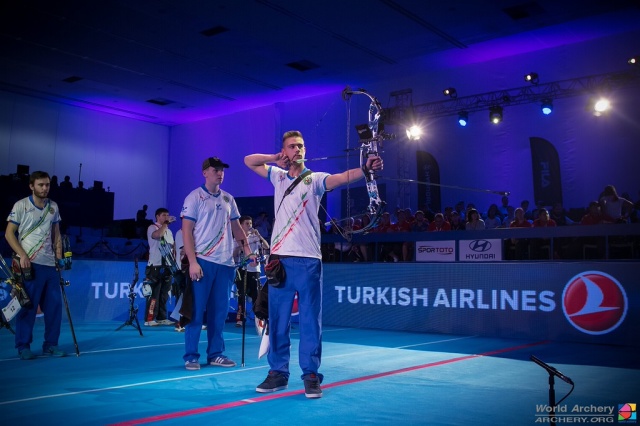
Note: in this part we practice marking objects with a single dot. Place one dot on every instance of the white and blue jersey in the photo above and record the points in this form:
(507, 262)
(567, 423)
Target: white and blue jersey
(296, 229)
(212, 214)
(34, 228)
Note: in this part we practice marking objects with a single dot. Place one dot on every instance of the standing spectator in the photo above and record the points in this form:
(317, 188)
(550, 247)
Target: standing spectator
(209, 224)
(615, 208)
(38, 245)
(263, 225)
(141, 221)
(257, 244)
(504, 210)
(296, 237)
(66, 183)
(157, 273)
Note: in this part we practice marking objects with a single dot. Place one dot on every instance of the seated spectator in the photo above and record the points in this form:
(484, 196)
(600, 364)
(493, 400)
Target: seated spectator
(439, 224)
(559, 215)
(520, 245)
(510, 217)
(594, 216)
(492, 220)
(474, 222)
(537, 244)
(420, 224)
(456, 222)
(524, 205)
(388, 250)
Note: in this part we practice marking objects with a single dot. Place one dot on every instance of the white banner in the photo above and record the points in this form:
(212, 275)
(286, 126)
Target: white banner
(435, 251)
(480, 250)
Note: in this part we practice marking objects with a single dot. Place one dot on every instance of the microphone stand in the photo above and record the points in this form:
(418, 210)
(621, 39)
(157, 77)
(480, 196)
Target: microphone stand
(552, 393)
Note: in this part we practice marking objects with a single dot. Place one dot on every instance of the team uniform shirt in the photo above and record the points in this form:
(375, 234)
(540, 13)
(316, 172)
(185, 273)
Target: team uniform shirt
(255, 243)
(212, 214)
(296, 229)
(155, 256)
(34, 228)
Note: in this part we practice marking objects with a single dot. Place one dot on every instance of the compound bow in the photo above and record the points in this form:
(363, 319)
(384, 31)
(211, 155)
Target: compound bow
(369, 148)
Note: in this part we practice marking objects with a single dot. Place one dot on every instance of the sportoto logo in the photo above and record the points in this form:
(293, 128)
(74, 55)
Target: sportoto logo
(480, 245)
(594, 302)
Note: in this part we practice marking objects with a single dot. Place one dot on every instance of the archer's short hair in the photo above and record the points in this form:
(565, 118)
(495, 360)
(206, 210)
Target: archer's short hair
(291, 134)
(38, 175)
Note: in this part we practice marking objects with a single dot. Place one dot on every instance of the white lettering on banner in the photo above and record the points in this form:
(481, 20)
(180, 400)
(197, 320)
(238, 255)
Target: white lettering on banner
(515, 300)
(114, 290)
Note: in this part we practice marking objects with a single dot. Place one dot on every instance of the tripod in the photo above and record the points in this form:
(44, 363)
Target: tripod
(133, 309)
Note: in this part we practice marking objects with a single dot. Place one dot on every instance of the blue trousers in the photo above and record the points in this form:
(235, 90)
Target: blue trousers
(44, 290)
(304, 275)
(210, 294)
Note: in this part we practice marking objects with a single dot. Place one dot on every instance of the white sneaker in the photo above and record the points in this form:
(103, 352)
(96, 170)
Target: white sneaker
(165, 322)
(151, 323)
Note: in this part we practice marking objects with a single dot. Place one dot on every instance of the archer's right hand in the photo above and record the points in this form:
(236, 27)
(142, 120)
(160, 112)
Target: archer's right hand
(282, 160)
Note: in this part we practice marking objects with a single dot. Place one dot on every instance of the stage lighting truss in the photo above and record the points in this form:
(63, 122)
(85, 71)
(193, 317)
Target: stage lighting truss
(518, 96)
(495, 114)
(547, 106)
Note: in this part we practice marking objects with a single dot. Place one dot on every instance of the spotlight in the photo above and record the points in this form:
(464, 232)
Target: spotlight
(495, 114)
(633, 60)
(532, 78)
(601, 106)
(463, 118)
(547, 106)
(451, 92)
(414, 132)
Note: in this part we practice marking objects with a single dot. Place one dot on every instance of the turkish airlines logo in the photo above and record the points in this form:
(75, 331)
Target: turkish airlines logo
(594, 302)
(480, 245)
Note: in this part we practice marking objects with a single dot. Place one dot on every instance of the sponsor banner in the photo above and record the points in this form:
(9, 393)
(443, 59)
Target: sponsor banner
(587, 302)
(480, 250)
(436, 251)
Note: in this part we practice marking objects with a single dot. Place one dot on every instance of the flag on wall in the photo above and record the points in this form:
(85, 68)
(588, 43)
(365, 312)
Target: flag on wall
(547, 184)
(429, 173)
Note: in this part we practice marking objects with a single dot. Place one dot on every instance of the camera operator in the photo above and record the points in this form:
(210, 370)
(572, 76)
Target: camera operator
(157, 273)
(38, 249)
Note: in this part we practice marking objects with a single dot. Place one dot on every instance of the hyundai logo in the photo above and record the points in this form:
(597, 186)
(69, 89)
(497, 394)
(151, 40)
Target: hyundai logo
(480, 245)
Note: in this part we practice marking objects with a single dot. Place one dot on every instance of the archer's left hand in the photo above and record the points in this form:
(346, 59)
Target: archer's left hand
(374, 163)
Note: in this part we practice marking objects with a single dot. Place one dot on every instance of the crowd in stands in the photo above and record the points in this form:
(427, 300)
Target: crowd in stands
(609, 208)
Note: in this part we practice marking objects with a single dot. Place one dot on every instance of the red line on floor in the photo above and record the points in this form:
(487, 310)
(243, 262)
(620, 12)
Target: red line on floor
(279, 395)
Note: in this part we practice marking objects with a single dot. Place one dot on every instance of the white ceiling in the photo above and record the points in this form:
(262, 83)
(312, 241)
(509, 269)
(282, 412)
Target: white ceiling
(117, 56)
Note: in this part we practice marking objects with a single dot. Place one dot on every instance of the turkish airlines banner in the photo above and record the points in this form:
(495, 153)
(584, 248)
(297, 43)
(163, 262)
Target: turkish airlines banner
(480, 250)
(579, 302)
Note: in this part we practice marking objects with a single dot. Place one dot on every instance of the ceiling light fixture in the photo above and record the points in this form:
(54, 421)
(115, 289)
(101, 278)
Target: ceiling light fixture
(495, 114)
(532, 78)
(451, 92)
(463, 118)
(547, 106)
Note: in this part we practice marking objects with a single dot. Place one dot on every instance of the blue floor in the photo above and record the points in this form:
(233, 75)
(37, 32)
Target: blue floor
(371, 377)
